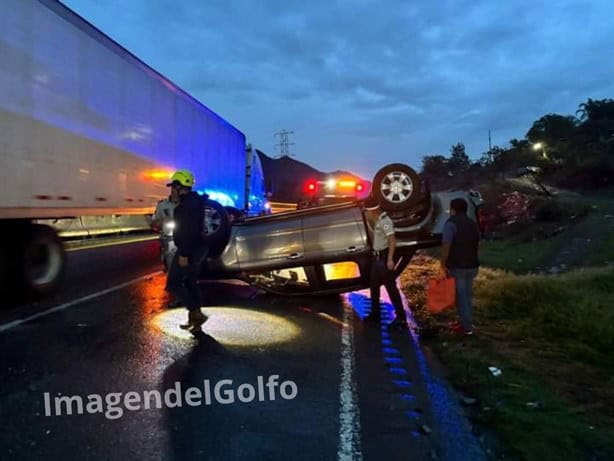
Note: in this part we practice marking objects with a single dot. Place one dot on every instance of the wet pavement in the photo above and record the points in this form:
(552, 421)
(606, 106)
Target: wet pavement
(271, 377)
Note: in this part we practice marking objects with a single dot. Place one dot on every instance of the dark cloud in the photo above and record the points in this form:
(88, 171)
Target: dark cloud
(356, 77)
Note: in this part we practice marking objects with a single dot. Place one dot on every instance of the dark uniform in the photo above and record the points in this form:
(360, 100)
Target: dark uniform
(189, 219)
(382, 230)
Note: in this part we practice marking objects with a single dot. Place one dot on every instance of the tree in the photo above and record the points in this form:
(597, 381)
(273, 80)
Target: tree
(434, 166)
(597, 120)
(552, 129)
(459, 160)
(592, 110)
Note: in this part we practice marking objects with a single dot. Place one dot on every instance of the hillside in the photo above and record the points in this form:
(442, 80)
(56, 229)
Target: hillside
(286, 177)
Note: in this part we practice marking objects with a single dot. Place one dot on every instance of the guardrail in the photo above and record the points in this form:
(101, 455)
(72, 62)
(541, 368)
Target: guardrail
(278, 207)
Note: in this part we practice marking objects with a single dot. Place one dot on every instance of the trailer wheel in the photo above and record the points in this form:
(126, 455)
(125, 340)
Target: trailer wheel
(41, 260)
(397, 187)
(216, 227)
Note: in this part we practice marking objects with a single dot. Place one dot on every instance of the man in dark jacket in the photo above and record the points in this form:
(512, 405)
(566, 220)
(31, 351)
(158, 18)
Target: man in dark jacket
(459, 259)
(191, 251)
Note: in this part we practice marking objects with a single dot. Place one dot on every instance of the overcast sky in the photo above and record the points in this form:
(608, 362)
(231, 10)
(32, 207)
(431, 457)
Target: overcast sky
(364, 83)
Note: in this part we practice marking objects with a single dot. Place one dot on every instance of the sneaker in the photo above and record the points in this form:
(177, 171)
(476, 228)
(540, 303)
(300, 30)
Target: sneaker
(458, 328)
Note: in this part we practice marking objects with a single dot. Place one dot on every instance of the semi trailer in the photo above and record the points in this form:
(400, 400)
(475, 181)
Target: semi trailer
(89, 133)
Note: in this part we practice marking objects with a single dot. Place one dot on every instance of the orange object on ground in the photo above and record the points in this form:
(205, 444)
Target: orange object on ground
(441, 294)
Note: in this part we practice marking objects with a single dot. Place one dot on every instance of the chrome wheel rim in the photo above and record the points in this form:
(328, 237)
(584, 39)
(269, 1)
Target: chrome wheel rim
(396, 187)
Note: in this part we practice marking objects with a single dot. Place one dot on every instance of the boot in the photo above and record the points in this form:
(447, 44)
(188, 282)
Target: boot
(195, 319)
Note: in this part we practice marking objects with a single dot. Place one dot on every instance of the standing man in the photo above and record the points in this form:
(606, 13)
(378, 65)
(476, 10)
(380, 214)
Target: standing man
(163, 220)
(459, 259)
(191, 250)
(381, 231)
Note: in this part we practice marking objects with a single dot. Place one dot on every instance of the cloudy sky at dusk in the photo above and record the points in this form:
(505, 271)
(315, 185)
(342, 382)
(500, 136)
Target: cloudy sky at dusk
(363, 83)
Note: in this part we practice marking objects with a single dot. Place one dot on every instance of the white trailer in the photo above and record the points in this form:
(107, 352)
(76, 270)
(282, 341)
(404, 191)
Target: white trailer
(89, 130)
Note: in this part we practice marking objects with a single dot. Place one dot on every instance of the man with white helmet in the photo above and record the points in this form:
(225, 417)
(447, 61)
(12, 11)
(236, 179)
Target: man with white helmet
(191, 250)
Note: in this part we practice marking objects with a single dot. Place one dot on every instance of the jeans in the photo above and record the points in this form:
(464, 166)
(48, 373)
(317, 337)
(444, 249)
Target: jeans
(185, 279)
(381, 275)
(464, 293)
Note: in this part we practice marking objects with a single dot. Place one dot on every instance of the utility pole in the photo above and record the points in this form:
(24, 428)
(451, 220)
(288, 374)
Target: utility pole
(285, 138)
(489, 147)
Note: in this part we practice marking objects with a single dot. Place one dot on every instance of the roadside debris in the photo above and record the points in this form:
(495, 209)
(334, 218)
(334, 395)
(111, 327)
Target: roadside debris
(534, 405)
(514, 208)
(495, 371)
(426, 429)
(469, 400)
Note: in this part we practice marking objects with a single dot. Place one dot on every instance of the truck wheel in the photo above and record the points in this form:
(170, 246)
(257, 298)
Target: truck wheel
(397, 187)
(216, 226)
(41, 261)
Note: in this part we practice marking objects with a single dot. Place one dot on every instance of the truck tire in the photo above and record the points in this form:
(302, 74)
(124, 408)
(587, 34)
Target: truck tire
(397, 187)
(40, 261)
(217, 227)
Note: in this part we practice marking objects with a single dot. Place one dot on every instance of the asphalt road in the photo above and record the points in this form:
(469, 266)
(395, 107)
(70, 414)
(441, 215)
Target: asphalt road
(271, 378)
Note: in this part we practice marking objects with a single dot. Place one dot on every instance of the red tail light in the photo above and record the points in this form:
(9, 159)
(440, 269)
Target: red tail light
(310, 186)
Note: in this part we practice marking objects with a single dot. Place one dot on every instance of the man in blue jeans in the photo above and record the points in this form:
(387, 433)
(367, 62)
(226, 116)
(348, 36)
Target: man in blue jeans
(459, 259)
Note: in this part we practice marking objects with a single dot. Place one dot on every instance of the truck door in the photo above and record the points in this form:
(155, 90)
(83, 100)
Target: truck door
(338, 234)
(268, 243)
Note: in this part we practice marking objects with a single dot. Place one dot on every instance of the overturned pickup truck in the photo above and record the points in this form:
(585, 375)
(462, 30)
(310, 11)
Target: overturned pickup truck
(326, 249)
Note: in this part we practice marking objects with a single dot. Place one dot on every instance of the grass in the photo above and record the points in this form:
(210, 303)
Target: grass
(518, 257)
(531, 422)
(603, 253)
(552, 336)
(573, 310)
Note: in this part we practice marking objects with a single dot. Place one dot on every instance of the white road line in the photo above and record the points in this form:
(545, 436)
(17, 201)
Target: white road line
(14, 323)
(349, 414)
